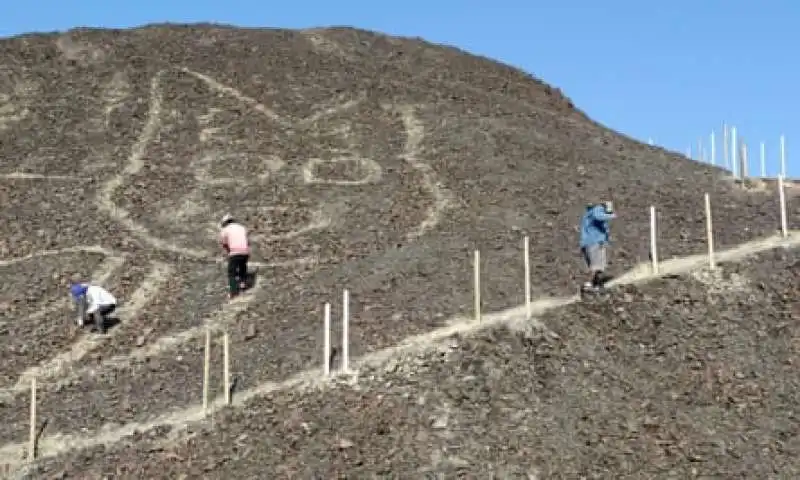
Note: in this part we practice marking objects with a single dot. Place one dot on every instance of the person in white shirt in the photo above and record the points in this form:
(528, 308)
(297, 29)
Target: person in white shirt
(94, 302)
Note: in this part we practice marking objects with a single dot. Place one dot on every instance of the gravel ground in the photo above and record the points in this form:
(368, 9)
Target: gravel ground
(690, 377)
(440, 153)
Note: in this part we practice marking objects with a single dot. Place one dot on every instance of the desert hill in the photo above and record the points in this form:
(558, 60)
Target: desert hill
(687, 377)
(358, 160)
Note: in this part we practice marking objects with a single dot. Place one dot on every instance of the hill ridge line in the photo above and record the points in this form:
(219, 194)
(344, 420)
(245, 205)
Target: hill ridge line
(12, 454)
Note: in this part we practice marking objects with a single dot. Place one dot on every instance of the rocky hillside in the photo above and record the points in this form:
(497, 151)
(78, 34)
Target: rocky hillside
(358, 161)
(689, 377)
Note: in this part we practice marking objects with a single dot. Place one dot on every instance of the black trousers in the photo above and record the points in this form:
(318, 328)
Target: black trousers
(237, 272)
(101, 317)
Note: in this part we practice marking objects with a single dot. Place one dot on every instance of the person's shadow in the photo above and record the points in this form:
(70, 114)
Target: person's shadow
(112, 322)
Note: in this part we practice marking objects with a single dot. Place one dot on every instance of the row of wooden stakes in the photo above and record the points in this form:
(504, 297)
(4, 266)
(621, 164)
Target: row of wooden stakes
(345, 353)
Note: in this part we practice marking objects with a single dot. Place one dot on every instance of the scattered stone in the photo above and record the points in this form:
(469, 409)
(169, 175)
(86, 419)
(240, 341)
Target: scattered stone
(344, 444)
(439, 422)
(250, 333)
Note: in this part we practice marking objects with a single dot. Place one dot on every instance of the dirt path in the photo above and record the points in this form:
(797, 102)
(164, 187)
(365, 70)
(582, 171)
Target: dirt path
(12, 454)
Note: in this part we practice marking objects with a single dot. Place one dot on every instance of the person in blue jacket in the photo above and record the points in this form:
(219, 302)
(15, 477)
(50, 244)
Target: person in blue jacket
(595, 236)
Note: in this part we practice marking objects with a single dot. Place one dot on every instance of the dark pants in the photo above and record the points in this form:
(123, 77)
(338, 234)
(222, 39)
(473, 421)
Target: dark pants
(101, 316)
(237, 272)
(596, 257)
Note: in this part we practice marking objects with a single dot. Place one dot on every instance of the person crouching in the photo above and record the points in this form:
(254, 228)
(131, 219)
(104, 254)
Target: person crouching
(93, 302)
(233, 237)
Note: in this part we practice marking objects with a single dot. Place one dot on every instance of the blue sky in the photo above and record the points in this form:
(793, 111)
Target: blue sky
(671, 71)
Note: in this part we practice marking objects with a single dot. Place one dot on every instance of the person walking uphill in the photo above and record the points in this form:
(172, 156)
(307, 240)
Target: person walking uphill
(233, 237)
(94, 302)
(595, 236)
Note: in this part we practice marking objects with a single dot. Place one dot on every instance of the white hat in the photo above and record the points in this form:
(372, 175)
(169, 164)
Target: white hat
(225, 219)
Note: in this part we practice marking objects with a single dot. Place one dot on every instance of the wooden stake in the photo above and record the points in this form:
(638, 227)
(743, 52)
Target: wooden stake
(782, 200)
(713, 149)
(734, 149)
(700, 153)
(32, 439)
(725, 156)
(745, 170)
(206, 370)
(653, 240)
(477, 271)
(326, 361)
(226, 359)
(710, 233)
(345, 331)
(527, 253)
(783, 156)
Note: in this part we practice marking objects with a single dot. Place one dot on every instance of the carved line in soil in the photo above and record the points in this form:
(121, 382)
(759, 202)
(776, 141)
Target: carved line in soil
(414, 130)
(61, 443)
(61, 367)
(65, 368)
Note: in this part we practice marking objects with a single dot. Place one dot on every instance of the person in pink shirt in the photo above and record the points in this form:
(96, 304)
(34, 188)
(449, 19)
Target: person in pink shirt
(233, 237)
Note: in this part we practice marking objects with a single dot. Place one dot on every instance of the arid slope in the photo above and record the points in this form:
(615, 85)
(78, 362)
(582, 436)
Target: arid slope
(691, 377)
(358, 160)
